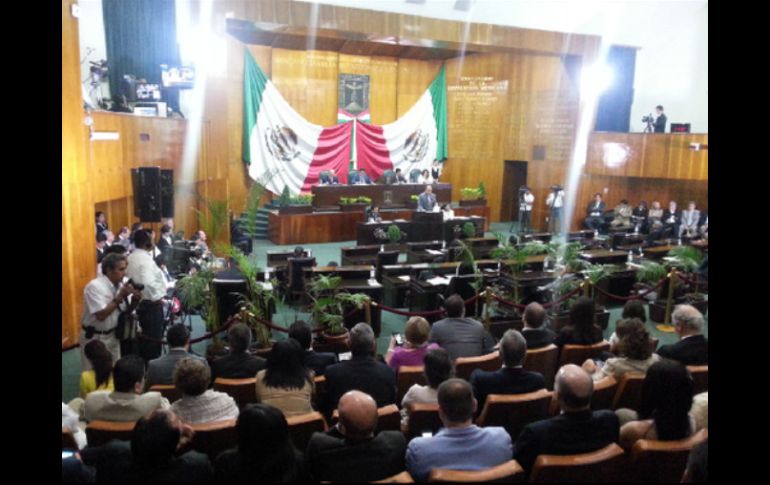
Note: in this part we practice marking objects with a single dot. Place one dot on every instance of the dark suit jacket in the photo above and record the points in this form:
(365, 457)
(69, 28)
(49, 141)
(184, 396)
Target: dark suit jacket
(660, 124)
(567, 335)
(566, 434)
(163, 244)
(361, 373)
(690, 351)
(352, 178)
(330, 458)
(538, 337)
(667, 214)
(593, 211)
(237, 366)
(319, 361)
(325, 179)
(400, 178)
(504, 381)
(161, 370)
(426, 203)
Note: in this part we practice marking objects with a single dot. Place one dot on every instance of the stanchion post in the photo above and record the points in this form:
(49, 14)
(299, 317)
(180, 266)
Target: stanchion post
(487, 303)
(368, 311)
(670, 298)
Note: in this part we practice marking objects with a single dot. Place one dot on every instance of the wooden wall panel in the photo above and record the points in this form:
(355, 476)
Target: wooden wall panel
(383, 76)
(414, 77)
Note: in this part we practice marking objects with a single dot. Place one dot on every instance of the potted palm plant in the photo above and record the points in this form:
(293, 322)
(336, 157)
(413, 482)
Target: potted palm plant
(395, 235)
(296, 204)
(329, 305)
(257, 303)
(473, 196)
(648, 275)
(688, 259)
(197, 295)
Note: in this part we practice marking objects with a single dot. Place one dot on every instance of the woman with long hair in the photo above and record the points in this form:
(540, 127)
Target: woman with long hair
(581, 329)
(438, 368)
(100, 377)
(286, 383)
(634, 349)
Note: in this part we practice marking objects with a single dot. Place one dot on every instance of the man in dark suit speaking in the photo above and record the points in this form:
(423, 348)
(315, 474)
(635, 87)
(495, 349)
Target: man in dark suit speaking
(427, 201)
(660, 121)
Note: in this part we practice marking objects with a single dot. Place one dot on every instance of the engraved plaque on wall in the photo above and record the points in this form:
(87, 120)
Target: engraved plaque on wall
(354, 93)
(476, 104)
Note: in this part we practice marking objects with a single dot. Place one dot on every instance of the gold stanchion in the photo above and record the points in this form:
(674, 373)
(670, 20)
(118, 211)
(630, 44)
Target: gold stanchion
(666, 325)
(368, 311)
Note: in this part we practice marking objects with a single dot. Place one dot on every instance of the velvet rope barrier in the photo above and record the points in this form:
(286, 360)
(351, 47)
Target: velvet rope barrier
(545, 305)
(423, 314)
(632, 297)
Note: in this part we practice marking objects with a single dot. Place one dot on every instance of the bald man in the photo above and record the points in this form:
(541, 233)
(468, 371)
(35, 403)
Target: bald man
(576, 430)
(534, 332)
(350, 451)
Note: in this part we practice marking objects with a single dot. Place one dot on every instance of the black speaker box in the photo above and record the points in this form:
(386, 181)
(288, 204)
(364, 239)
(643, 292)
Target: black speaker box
(147, 194)
(167, 193)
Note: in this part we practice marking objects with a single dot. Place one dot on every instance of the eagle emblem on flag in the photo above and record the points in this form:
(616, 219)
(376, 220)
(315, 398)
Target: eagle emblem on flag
(281, 142)
(415, 147)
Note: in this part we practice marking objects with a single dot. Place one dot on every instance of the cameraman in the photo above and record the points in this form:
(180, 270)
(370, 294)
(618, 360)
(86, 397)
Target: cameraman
(143, 270)
(660, 121)
(555, 203)
(526, 199)
(101, 298)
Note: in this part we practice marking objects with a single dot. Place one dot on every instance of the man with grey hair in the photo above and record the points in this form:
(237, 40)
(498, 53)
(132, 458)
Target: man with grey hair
(692, 348)
(576, 430)
(511, 378)
(362, 372)
(460, 444)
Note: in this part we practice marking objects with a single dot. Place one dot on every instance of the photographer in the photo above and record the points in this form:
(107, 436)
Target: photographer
(555, 202)
(526, 199)
(101, 298)
(660, 121)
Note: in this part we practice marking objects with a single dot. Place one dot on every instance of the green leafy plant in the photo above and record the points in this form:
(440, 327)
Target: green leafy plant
(651, 272)
(469, 229)
(285, 198)
(196, 294)
(256, 302)
(364, 199)
(301, 199)
(482, 190)
(414, 198)
(685, 258)
(562, 286)
(213, 220)
(329, 303)
(257, 190)
(346, 200)
(394, 234)
(470, 193)
(595, 273)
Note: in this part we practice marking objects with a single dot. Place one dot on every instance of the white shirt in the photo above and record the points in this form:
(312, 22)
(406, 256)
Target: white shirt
(450, 214)
(425, 180)
(142, 269)
(99, 292)
(528, 200)
(559, 199)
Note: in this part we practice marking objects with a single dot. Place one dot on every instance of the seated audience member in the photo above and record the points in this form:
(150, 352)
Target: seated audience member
(595, 213)
(161, 370)
(363, 178)
(400, 178)
(460, 444)
(123, 237)
(447, 212)
(69, 420)
(438, 368)
(639, 216)
(655, 218)
(152, 454)
(328, 178)
(576, 430)
(672, 218)
(264, 452)
(425, 177)
(99, 378)
(200, 405)
(201, 240)
(703, 229)
(415, 347)
(664, 412)
(126, 402)
(373, 214)
(351, 451)
(73, 470)
(285, 383)
(238, 364)
(315, 361)
(581, 329)
(361, 372)
(460, 336)
(635, 353)
(697, 470)
(166, 239)
(622, 218)
(700, 410)
(511, 378)
(692, 347)
(632, 309)
(101, 245)
(690, 221)
(534, 332)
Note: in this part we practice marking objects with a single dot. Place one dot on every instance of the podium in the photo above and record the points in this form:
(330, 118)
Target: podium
(429, 225)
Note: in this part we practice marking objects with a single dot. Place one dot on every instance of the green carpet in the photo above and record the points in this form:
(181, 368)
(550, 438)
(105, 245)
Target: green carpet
(286, 314)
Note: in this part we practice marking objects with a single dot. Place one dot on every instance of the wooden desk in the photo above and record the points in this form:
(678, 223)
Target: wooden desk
(359, 255)
(397, 195)
(278, 258)
(345, 272)
(603, 256)
(657, 252)
(419, 230)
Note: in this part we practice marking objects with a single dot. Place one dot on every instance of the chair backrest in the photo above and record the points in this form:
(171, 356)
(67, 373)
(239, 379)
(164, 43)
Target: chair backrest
(319, 398)
(601, 466)
(414, 175)
(385, 258)
(214, 438)
(244, 391)
(465, 365)
(507, 472)
(409, 375)
(577, 354)
(68, 439)
(296, 276)
(100, 432)
(403, 477)
(423, 417)
(663, 461)
(629, 393)
(654, 344)
(515, 411)
(302, 427)
(388, 418)
(700, 378)
(545, 361)
(169, 391)
(604, 393)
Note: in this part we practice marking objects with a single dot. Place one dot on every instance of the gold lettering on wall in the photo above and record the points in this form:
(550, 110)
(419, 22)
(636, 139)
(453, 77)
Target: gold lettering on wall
(474, 105)
(554, 122)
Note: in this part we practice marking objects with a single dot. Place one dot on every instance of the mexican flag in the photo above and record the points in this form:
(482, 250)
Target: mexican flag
(411, 142)
(277, 140)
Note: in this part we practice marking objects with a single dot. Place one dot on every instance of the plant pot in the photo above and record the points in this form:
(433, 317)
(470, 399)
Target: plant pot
(657, 311)
(356, 207)
(473, 203)
(296, 209)
(334, 343)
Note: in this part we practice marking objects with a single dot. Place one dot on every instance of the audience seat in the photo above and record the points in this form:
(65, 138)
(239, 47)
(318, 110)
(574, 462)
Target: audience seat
(604, 393)
(663, 461)
(465, 365)
(214, 438)
(545, 361)
(68, 439)
(169, 391)
(403, 477)
(700, 378)
(422, 417)
(577, 354)
(629, 393)
(654, 344)
(302, 427)
(508, 472)
(601, 466)
(244, 391)
(320, 391)
(514, 411)
(388, 418)
(100, 432)
(409, 375)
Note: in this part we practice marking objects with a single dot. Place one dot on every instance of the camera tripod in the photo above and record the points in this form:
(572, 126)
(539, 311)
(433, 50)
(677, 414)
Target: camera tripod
(649, 127)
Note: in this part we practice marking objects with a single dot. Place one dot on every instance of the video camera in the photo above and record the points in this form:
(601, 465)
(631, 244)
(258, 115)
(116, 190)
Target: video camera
(137, 286)
(648, 119)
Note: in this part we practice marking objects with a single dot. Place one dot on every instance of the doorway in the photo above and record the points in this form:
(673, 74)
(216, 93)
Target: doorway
(514, 176)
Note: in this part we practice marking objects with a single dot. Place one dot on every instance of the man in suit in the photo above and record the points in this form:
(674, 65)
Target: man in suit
(329, 178)
(534, 332)
(460, 444)
(123, 239)
(166, 240)
(361, 372)
(511, 378)
(692, 348)
(576, 430)
(400, 178)
(101, 244)
(101, 222)
(238, 364)
(126, 402)
(660, 120)
(460, 336)
(359, 178)
(672, 218)
(690, 221)
(595, 213)
(350, 451)
(427, 200)
(161, 370)
(315, 361)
